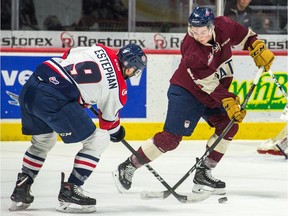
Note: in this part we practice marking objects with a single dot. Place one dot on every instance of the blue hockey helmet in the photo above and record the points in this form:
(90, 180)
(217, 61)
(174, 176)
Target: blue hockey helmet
(201, 16)
(132, 56)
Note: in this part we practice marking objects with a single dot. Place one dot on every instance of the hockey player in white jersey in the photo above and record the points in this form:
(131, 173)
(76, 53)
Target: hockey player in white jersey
(52, 103)
(277, 145)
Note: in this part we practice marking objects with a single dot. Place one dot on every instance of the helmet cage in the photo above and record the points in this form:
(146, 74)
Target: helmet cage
(209, 27)
(132, 56)
(137, 72)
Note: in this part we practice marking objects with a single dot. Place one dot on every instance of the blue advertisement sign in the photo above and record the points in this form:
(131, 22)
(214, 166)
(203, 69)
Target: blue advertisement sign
(15, 71)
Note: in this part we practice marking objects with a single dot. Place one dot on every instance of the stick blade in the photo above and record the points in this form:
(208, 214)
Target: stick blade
(198, 197)
(191, 197)
(152, 195)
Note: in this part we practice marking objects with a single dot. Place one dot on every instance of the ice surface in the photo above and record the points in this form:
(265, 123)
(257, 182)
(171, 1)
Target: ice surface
(257, 185)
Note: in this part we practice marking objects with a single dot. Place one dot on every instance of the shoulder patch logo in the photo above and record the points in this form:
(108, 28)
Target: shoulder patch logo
(53, 80)
(124, 92)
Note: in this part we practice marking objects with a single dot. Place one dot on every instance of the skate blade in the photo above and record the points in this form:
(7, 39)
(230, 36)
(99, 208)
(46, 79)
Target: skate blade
(119, 186)
(203, 189)
(18, 206)
(74, 208)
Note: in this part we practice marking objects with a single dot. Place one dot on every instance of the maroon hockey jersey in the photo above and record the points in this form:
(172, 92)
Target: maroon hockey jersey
(206, 71)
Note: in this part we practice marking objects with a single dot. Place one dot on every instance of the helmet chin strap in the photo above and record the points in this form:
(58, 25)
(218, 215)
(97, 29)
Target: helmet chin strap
(125, 74)
(212, 33)
(211, 29)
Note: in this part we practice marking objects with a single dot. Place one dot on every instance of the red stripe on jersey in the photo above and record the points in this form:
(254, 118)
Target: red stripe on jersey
(54, 69)
(66, 53)
(85, 163)
(117, 67)
(107, 125)
(32, 163)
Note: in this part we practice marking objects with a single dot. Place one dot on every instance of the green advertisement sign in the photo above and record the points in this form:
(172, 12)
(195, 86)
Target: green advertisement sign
(266, 94)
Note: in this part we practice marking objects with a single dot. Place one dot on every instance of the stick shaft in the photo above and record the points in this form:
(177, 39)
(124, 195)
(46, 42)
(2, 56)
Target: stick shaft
(284, 115)
(278, 84)
(179, 197)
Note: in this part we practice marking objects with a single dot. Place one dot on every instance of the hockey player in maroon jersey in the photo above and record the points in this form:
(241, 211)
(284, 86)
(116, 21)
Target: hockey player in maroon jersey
(199, 89)
(52, 103)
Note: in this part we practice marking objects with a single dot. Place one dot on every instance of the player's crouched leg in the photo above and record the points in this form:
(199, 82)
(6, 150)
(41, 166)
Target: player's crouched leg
(71, 196)
(149, 151)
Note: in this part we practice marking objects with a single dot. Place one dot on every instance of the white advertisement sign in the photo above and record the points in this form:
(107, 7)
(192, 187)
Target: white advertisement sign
(61, 39)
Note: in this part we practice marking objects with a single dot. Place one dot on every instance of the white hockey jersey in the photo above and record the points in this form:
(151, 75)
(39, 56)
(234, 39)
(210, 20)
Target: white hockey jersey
(97, 74)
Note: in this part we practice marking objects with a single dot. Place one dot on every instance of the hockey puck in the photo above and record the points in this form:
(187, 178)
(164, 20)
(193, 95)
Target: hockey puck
(222, 200)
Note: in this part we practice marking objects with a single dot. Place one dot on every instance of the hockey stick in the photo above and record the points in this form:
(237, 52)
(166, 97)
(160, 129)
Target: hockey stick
(284, 115)
(165, 194)
(282, 146)
(282, 151)
(182, 198)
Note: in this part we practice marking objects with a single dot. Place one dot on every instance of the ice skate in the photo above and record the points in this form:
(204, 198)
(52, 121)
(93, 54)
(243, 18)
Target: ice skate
(203, 180)
(72, 199)
(21, 196)
(123, 176)
(278, 147)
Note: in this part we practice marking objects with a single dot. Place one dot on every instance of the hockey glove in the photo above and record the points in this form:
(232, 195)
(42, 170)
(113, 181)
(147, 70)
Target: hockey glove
(261, 55)
(118, 136)
(233, 109)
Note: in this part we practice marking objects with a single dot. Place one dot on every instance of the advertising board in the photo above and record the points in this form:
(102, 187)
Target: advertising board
(61, 39)
(15, 71)
(147, 102)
